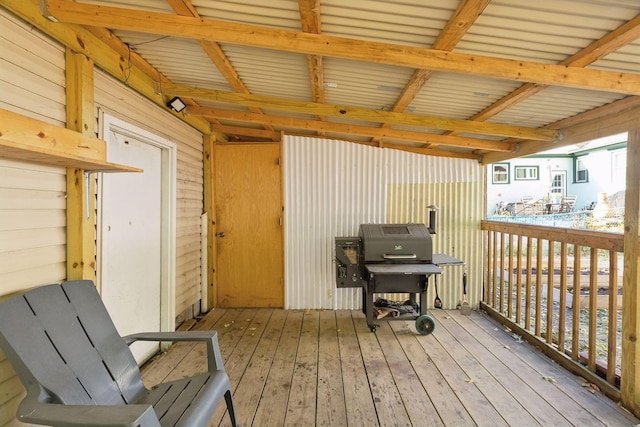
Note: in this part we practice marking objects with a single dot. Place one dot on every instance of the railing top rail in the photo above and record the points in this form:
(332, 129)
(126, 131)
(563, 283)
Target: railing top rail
(589, 238)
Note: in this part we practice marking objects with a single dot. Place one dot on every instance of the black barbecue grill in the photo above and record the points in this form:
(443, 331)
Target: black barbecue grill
(391, 258)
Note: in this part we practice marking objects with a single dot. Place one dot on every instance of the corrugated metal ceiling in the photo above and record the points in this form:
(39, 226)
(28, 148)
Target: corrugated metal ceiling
(541, 31)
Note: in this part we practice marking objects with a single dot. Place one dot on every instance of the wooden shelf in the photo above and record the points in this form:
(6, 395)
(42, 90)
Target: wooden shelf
(31, 140)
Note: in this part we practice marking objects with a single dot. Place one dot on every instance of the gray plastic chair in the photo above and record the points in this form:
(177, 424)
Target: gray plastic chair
(78, 371)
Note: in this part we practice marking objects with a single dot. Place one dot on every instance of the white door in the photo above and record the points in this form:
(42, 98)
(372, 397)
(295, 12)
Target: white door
(559, 182)
(130, 239)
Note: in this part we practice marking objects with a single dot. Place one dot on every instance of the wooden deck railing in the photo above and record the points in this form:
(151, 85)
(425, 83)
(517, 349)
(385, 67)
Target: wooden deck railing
(559, 289)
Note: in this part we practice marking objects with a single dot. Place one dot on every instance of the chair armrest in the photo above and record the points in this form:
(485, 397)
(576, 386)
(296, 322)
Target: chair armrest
(57, 415)
(214, 357)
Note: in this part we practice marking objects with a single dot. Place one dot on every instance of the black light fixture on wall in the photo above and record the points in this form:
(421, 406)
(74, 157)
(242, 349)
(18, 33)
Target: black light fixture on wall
(176, 104)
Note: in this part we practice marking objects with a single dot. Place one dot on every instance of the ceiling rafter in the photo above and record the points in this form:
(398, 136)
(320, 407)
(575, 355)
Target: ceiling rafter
(341, 47)
(613, 41)
(365, 114)
(462, 19)
(264, 134)
(457, 26)
(310, 23)
(214, 52)
(348, 129)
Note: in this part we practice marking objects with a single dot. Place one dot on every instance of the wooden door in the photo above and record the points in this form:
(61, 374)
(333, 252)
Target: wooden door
(250, 253)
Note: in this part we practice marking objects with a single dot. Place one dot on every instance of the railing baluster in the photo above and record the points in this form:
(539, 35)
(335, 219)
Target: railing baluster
(550, 288)
(593, 308)
(538, 285)
(562, 312)
(495, 271)
(486, 295)
(519, 281)
(510, 279)
(501, 283)
(613, 317)
(575, 327)
(527, 292)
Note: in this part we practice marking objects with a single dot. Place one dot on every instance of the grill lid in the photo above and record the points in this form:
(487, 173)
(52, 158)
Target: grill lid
(396, 243)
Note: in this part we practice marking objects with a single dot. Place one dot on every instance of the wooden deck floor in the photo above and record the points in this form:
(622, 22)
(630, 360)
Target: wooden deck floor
(326, 368)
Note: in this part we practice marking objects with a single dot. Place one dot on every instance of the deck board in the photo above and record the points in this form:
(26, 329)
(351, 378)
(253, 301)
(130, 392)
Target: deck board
(561, 389)
(301, 410)
(415, 398)
(520, 385)
(357, 395)
(386, 397)
(273, 402)
(326, 368)
(331, 409)
(493, 390)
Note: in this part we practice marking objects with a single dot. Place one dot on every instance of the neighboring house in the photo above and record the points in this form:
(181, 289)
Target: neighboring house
(587, 171)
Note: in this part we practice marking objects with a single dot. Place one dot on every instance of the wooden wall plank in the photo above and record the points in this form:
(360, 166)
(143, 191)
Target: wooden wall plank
(81, 210)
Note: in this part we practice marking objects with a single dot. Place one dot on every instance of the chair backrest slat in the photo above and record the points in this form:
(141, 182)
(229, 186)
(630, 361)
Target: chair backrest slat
(107, 341)
(74, 334)
(33, 356)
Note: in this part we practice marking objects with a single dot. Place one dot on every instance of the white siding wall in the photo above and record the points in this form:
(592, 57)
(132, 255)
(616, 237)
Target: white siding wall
(122, 102)
(331, 187)
(32, 197)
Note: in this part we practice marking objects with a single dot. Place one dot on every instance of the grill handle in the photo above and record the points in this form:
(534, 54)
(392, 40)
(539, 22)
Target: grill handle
(399, 256)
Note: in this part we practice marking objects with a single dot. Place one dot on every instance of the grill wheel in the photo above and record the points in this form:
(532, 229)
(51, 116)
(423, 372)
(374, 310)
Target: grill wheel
(425, 324)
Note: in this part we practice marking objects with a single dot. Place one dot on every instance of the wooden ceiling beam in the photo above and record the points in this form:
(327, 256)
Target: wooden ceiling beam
(341, 47)
(348, 129)
(611, 119)
(310, 21)
(364, 114)
(233, 131)
(434, 152)
(259, 133)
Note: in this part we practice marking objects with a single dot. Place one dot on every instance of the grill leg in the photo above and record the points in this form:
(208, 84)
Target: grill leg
(367, 305)
(424, 285)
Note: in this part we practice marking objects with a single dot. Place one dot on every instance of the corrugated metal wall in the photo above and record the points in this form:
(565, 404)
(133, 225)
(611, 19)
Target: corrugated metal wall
(331, 187)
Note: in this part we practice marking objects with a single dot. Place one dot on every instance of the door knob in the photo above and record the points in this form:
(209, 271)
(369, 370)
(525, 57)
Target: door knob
(221, 234)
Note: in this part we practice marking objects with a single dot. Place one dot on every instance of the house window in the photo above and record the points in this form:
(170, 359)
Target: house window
(582, 174)
(501, 173)
(618, 168)
(526, 173)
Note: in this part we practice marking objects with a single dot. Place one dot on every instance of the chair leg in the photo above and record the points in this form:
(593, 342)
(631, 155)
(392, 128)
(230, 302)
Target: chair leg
(230, 409)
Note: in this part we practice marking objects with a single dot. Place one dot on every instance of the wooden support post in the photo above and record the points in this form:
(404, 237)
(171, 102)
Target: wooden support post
(209, 208)
(630, 381)
(81, 218)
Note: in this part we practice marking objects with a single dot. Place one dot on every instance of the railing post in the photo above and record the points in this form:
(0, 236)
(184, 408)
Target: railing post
(630, 369)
